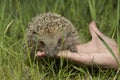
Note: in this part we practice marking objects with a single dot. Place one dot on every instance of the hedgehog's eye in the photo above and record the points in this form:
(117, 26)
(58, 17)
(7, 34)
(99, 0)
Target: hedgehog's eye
(42, 43)
(60, 41)
(34, 32)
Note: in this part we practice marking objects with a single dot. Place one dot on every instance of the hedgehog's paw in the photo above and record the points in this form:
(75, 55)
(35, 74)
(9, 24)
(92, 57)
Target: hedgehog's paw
(73, 48)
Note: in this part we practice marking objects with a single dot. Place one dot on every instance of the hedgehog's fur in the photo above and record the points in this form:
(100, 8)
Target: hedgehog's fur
(49, 32)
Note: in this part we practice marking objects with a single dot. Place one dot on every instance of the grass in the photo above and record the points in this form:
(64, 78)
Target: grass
(14, 17)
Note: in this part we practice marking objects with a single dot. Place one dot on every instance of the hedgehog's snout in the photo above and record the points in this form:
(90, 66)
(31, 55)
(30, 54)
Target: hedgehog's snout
(51, 52)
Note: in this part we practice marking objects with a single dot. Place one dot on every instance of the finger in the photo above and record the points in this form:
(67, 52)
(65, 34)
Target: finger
(40, 54)
(81, 58)
(94, 29)
(65, 54)
(91, 28)
(112, 44)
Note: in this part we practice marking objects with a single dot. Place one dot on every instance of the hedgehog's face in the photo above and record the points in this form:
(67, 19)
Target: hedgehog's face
(48, 33)
(50, 43)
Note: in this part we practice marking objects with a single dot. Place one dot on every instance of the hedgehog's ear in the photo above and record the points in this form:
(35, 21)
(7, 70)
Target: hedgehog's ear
(66, 33)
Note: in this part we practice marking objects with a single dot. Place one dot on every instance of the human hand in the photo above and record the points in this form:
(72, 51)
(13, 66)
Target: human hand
(94, 52)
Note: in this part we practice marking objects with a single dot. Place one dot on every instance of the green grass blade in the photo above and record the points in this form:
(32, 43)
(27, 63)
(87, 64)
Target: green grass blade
(92, 9)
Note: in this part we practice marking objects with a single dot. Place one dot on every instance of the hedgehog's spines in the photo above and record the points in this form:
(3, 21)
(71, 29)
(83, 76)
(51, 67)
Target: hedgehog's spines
(50, 21)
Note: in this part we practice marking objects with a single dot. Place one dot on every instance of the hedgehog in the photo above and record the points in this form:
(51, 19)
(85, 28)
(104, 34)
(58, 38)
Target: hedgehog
(51, 33)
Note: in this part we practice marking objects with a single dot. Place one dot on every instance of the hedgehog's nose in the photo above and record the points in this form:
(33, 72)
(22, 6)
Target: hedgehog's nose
(51, 53)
